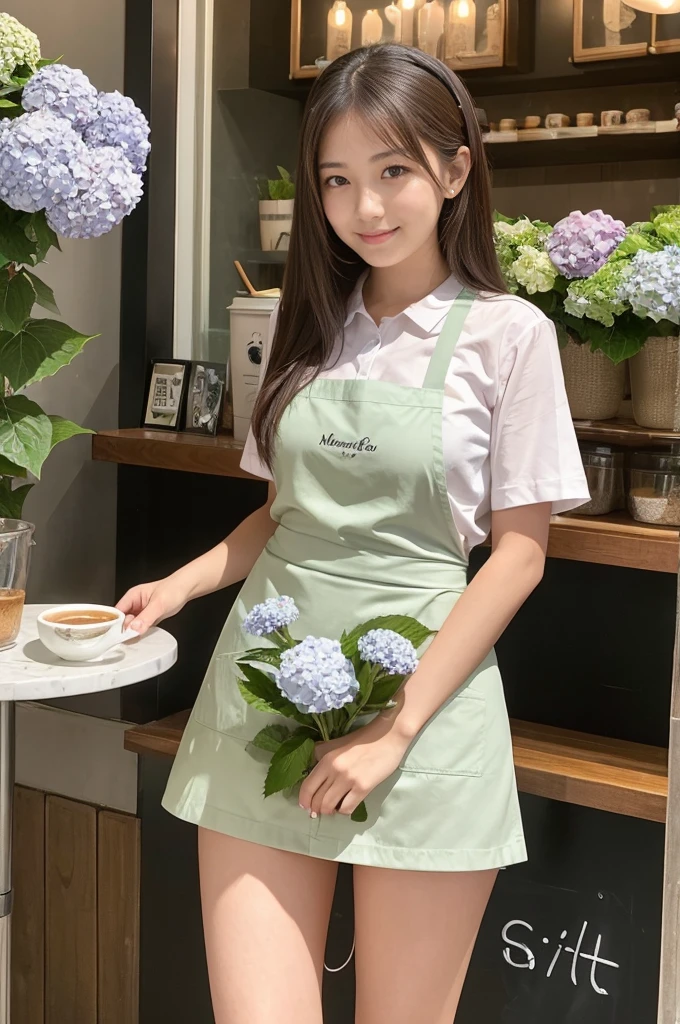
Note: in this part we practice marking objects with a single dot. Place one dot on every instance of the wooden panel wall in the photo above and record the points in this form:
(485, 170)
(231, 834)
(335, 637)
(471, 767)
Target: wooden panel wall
(75, 925)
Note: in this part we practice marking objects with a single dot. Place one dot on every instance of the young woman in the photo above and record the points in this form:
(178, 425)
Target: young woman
(394, 331)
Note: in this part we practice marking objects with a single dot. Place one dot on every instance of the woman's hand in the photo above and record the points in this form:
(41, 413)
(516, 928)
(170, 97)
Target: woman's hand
(350, 767)
(149, 603)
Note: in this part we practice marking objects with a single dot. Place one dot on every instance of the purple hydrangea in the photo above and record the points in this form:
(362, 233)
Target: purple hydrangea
(38, 153)
(64, 91)
(393, 652)
(580, 243)
(108, 190)
(272, 614)
(316, 676)
(120, 123)
(652, 284)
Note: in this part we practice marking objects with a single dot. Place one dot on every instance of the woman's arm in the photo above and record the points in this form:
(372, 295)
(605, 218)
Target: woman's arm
(232, 559)
(500, 588)
(351, 767)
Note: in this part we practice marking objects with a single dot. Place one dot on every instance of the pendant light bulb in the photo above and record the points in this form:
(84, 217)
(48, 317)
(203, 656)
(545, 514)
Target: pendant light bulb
(408, 5)
(340, 17)
(655, 6)
(463, 9)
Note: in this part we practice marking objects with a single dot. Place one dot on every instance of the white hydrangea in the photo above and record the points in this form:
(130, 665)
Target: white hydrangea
(18, 45)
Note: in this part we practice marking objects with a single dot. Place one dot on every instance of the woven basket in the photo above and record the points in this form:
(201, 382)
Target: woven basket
(595, 385)
(655, 383)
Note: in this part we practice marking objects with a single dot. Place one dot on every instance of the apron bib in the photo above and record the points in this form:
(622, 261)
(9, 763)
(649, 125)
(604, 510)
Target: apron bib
(364, 529)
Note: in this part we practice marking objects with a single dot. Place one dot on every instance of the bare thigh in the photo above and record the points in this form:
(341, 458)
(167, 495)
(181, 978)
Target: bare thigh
(415, 932)
(265, 918)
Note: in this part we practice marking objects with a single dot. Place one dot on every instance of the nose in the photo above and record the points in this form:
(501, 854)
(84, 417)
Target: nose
(369, 205)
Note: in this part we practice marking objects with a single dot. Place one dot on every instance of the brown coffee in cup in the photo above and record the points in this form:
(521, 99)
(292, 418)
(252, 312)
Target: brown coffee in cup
(81, 617)
(11, 607)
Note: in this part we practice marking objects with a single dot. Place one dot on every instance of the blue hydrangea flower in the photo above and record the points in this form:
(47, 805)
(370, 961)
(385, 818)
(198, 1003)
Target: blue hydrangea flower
(316, 676)
(272, 614)
(64, 91)
(581, 243)
(108, 190)
(652, 284)
(393, 652)
(18, 45)
(38, 154)
(120, 123)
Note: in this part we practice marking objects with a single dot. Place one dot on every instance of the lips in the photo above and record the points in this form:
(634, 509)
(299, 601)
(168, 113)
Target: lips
(378, 237)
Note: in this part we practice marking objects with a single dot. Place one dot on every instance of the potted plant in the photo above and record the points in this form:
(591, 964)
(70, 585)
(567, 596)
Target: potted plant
(651, 286)
(573, 272)
(276, 211)
(72, 161)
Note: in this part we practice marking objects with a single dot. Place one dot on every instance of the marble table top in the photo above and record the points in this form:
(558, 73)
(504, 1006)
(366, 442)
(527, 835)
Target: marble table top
(28, 671)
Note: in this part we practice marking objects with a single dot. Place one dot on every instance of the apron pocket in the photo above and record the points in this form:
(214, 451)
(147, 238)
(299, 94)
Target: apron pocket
(454, 741)
(219, 704)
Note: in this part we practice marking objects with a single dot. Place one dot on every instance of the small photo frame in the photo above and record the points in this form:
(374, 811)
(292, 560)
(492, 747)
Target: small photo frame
(609, 30)
(205, 397)
(666, 33)
(166, 394)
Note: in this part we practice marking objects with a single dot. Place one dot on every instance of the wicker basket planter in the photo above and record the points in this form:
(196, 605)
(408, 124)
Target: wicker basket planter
(595, 385)
(655, 383)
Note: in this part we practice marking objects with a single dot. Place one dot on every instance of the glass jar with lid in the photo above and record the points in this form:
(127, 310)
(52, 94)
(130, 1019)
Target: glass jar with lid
(654, 486)
(603, 465)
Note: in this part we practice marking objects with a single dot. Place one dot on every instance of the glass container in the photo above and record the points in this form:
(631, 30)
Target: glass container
(603, 465)
(16, 541)
(654, 487)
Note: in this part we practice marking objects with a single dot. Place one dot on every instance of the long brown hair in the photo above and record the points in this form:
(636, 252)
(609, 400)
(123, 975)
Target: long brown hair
(407, 98)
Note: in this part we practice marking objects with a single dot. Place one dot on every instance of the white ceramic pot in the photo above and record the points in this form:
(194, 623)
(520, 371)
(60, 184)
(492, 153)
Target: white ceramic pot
(655, 383)
(595, 385)
(276, 218)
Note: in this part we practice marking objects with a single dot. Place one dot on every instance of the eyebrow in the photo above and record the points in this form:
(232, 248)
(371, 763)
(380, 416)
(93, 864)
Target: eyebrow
(374, 159)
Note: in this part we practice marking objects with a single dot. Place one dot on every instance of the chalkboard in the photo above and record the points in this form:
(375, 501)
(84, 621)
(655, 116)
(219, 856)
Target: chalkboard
(571, 937)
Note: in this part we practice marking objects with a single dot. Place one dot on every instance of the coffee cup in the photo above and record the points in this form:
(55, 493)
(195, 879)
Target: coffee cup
(81, 632)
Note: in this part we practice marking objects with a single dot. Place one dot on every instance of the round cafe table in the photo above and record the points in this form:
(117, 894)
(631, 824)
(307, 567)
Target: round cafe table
(28, 671)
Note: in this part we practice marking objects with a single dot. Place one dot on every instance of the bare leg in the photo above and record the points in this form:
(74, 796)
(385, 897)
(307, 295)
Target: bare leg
(415, 931)
(265, 918)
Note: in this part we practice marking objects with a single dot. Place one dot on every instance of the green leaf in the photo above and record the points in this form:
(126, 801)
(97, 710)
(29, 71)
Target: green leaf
(290, 763)
(264, 655)
(498, 216)
(6, 104)
(44, 61)
(25, 433)
(365, 683)
(15, 243)
(262, 693)
(271, 737)
(404, 625)
(17, 298)
(63, 429)
(45, 237)
(39, 350)
(8, 468)
(634, 241)
(44, 295)
(12, 500)
(384, 689)
(360, 813)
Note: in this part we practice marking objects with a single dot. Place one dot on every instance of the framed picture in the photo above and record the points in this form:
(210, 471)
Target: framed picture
(166, 394)
(205, 397)
(665, 33)
(610, 30)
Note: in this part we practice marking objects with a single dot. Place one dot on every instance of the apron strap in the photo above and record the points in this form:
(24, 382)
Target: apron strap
(447, 340)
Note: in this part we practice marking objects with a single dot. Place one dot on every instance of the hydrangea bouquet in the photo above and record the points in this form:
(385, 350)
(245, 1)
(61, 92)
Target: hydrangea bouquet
(322, 686)
(71, 164)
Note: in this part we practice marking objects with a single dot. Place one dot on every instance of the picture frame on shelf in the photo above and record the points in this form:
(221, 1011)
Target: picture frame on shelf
(206, 389)
(166, 392)
(609, 30)
(465, 34)
(665, 33)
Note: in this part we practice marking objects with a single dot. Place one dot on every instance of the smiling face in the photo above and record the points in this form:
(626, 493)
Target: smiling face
(382, 203)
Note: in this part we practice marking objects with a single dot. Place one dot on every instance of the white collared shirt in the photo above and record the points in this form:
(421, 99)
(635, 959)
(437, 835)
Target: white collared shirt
(508, 437)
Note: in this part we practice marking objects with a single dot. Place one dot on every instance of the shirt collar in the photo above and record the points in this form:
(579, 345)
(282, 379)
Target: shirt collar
(427, 313)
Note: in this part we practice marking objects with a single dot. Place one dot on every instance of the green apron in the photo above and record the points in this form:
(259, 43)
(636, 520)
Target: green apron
(364, 529)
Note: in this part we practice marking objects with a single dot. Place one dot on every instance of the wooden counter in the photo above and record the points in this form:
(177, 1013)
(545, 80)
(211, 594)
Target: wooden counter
(573, 767)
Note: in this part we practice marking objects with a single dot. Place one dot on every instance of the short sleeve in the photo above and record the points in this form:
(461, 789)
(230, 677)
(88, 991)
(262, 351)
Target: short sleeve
(534, 452)
(250, 460)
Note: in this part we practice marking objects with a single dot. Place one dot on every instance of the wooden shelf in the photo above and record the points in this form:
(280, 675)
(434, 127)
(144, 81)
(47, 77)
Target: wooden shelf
(609, 540)
(596, 149)
(165, 449)
(573, 767)
(624, 432)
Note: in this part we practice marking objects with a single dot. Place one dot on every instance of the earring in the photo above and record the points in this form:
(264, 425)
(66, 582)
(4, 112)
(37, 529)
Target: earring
(452, 191)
